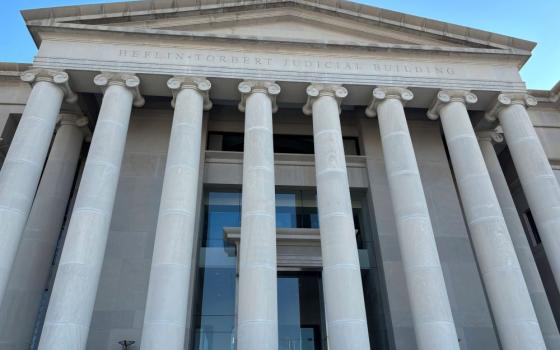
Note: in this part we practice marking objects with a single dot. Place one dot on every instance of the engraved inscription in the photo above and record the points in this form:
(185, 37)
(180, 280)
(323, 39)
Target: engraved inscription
(281, 62)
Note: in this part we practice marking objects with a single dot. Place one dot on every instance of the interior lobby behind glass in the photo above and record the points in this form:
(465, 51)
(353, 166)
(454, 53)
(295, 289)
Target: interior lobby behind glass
(301, 320)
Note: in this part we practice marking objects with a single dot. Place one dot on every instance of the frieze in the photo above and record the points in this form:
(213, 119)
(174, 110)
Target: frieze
(289, 63)
(321, 66)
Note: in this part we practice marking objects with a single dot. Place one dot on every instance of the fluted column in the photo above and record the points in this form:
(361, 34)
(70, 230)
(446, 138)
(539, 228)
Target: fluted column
(71, 304)
(257, 319)
(507, 292)
(533, 168)
(535, 286)
(33, 260)
(24, 162)
(345, 313)
(168, 292)
(431, 311)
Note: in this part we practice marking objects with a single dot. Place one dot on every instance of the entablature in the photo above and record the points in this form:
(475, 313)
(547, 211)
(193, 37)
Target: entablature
(293, 68)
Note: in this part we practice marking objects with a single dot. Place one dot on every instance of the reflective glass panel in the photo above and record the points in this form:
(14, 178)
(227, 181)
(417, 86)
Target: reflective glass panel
(300, 308)
(214, 317)
(286, 215)
(299, 311)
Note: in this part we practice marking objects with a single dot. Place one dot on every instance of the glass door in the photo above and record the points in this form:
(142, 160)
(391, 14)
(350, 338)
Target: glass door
(299, 311)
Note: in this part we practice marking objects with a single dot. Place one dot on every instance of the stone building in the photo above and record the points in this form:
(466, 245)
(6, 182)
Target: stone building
(279, 174)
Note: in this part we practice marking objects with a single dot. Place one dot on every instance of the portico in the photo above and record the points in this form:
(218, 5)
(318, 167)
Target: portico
(191, 211)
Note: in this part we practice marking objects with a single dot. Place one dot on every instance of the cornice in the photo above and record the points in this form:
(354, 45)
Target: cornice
(12, 71)
(551, 96)
(521, 56)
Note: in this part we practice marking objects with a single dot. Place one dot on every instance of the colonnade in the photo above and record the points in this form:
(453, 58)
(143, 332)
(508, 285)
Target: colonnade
(504, 260)
(509, 299)
(431, 310)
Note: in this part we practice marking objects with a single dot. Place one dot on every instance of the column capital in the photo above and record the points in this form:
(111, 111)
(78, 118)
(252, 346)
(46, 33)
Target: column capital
(383, 93)
(316, 90)
(493, 136)
(508, 99)
(129, 81)
(199, 84)
(57, 77)
(248, 87)
(79, 121)
(446, 96)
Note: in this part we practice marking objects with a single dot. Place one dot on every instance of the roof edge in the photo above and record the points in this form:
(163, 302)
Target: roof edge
(154, 7)
(551, 96)
(521, 55)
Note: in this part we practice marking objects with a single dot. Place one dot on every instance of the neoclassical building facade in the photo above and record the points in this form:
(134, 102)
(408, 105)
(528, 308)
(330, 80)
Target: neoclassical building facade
(279, 174)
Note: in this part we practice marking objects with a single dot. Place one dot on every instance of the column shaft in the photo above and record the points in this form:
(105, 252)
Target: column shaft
(431, 311)
(73, 296)
(166, 306)
(22, 168)
(345, 313)
(521, 245)
(257, 320)
(507, 292)
(33, 260)
(537, 179)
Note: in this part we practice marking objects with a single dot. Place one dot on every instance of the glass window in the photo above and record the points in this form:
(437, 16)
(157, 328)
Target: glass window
(223, 210)
(214, 316)
(296, 209)
(372, 280)
(300, 309)
(286, 213)
(351, 147)
(300, 316)
(293, 144)
(216, 321)
(7, 135)
(225, 141)
(302, 144)
(532, 228)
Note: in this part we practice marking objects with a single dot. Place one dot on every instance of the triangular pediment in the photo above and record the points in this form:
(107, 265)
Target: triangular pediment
(284, 24)
(297, 21)
(287, 24)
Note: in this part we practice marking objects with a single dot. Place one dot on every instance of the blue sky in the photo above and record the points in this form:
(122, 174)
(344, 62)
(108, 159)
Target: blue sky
(536, 21)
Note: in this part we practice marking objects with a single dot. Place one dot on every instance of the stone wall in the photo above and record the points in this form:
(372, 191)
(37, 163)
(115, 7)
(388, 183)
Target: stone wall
(121, 297)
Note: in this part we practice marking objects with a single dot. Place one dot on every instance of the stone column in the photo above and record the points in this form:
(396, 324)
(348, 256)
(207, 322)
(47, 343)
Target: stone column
(507, 292)
(533, 168)
(257, 318)
(520, 243)
(36, 250)
(73, 296)
(345, 312)
(431, 311)
(166, 306)
(24, 162)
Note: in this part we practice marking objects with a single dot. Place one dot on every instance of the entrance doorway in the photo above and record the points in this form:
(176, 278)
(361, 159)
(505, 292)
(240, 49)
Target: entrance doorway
(300, 311)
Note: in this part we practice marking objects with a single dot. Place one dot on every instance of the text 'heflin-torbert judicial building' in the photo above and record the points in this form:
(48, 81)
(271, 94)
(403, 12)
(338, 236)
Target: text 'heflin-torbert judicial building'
(275, 175)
